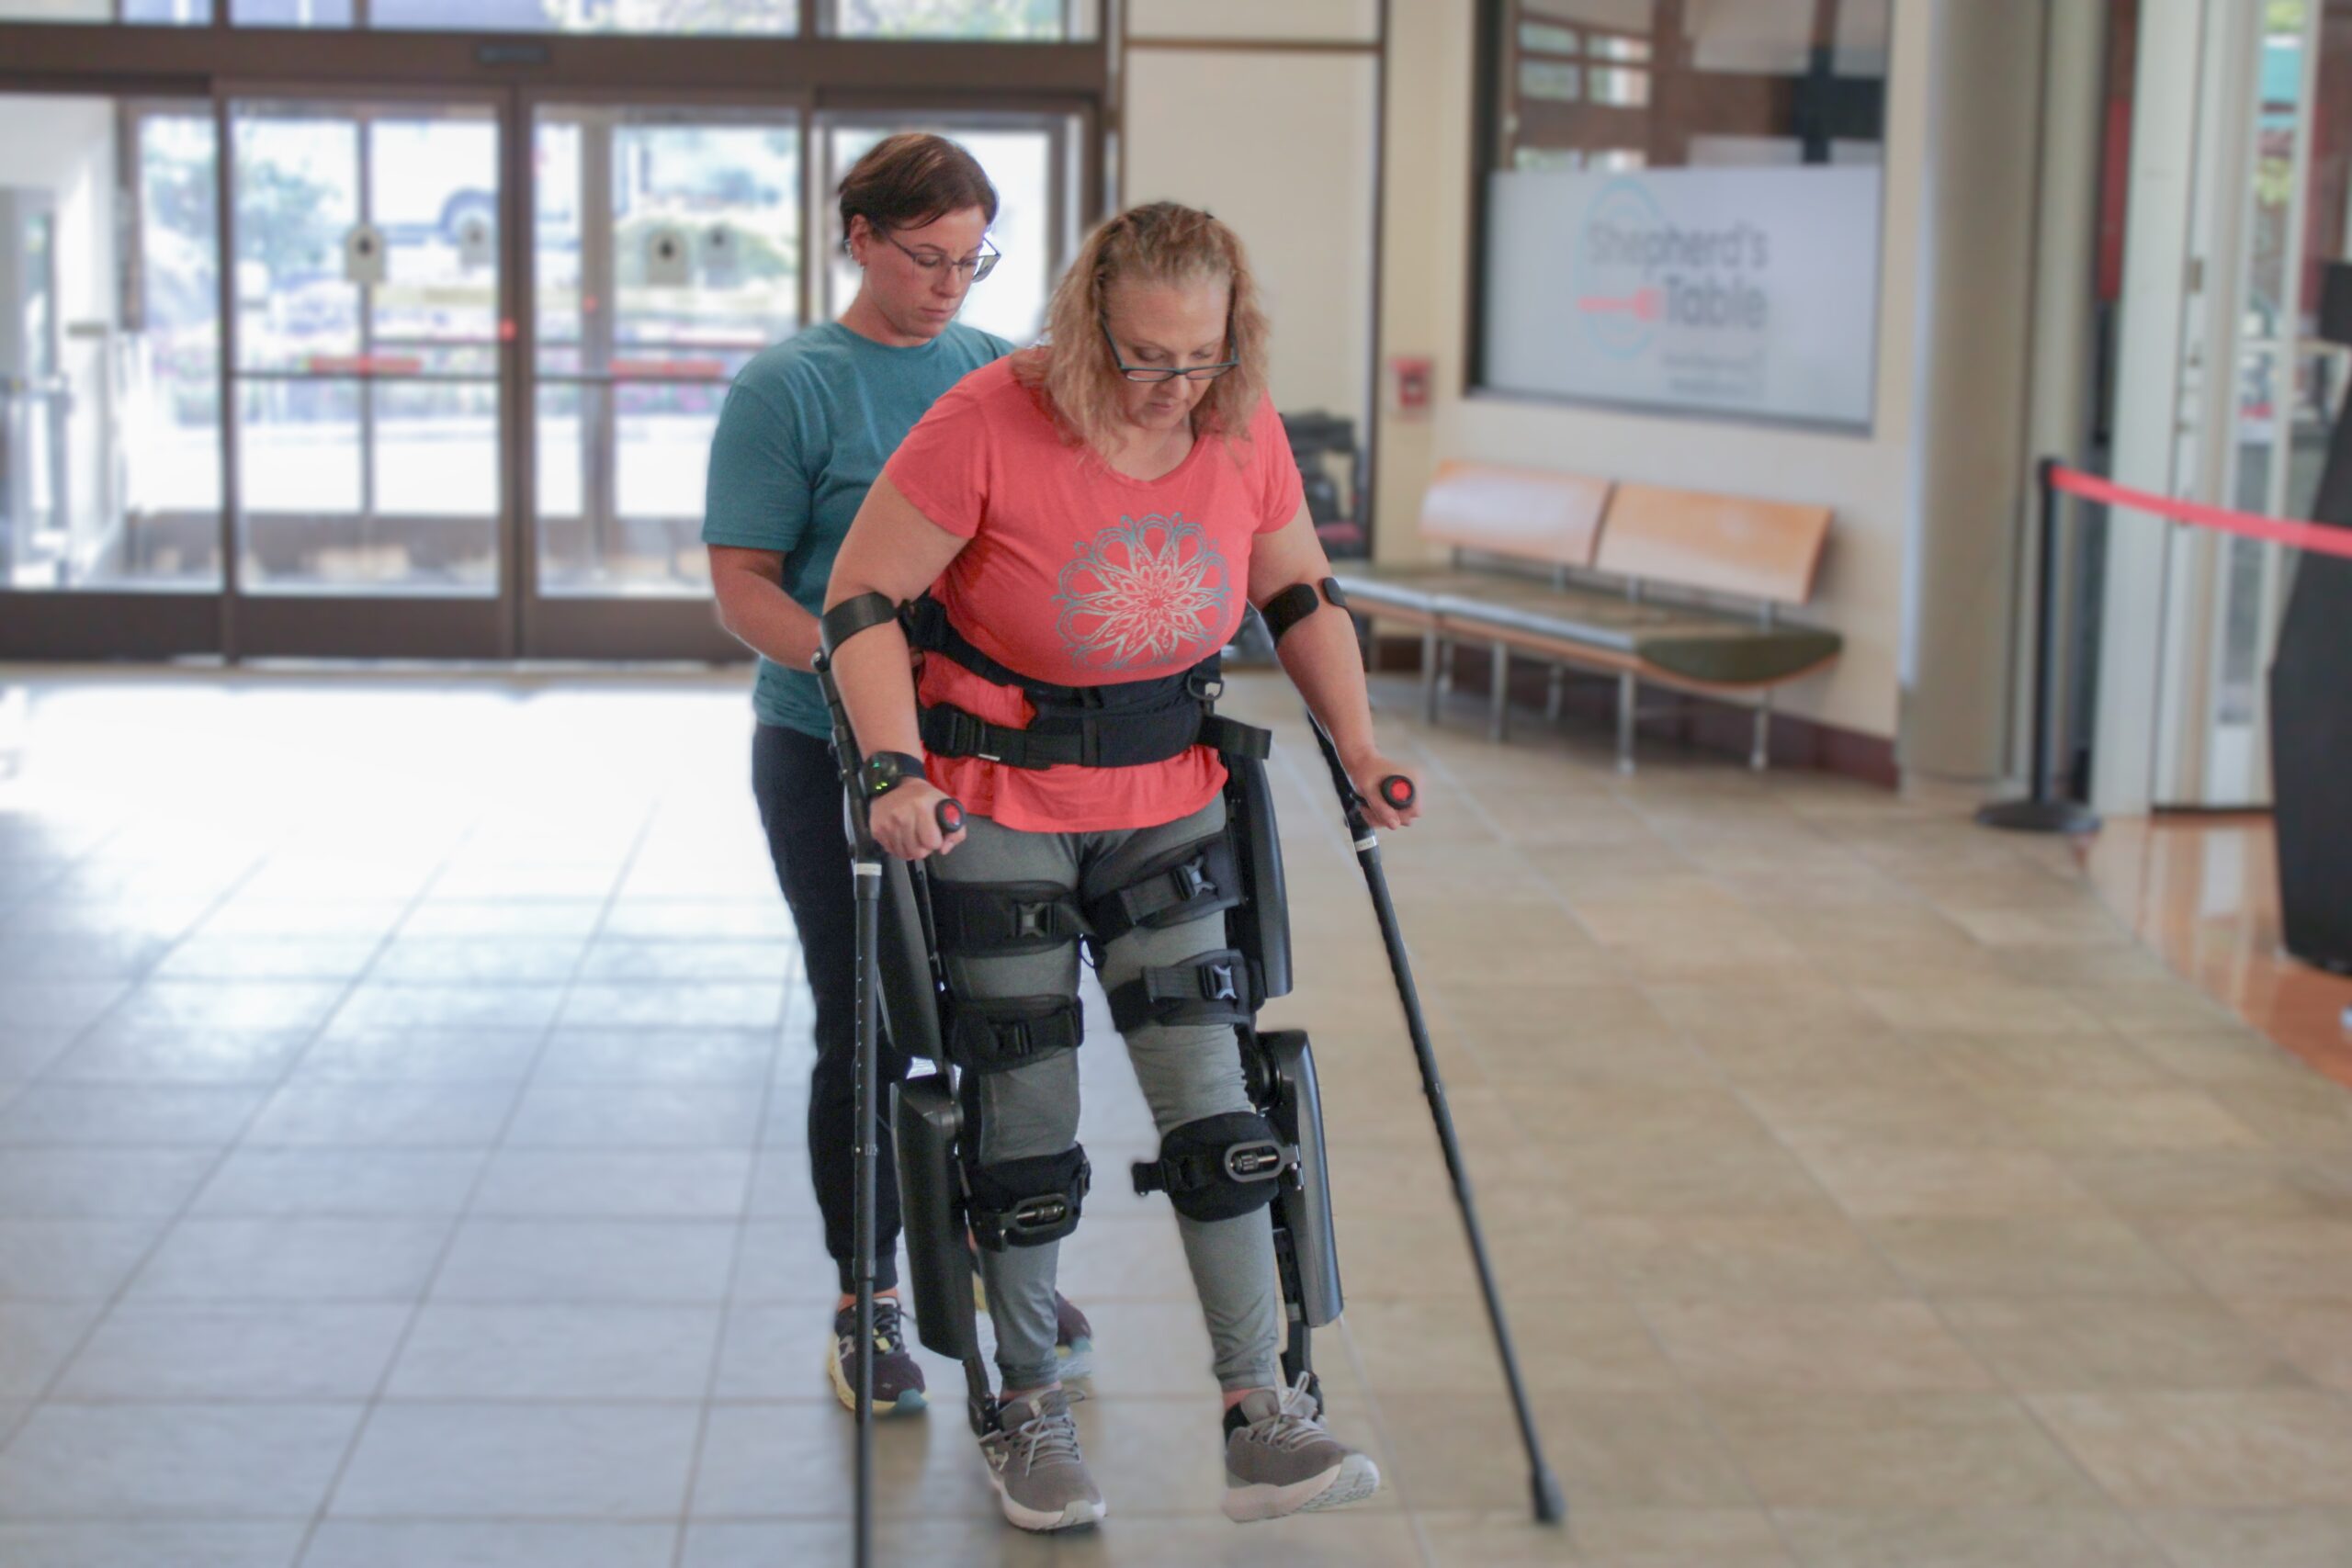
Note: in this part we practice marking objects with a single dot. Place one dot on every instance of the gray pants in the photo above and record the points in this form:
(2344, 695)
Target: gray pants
(1186, 1071)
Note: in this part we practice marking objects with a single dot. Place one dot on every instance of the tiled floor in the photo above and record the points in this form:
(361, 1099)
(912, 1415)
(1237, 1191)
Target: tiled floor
(401, 1163)
(2204, 892)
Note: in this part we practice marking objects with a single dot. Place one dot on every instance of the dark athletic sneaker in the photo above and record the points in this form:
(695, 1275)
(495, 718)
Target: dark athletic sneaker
(898, 1379)
(1073, 1336)
(1073, 1339)
(1040, 1477)
(1279, 1460)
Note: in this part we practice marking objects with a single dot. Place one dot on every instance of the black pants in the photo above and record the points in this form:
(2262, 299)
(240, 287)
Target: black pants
(799, 792)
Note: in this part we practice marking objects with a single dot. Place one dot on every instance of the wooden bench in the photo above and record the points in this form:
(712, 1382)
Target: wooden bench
(1675, 588)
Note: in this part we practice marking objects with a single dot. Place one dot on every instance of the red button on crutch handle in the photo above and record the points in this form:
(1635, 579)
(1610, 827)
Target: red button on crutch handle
(949, 815)
(1397, 791)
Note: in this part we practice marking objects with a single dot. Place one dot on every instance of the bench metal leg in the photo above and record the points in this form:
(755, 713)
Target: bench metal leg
(1430, 652)
(1556, 693)
(1759, 752)
(1628, 696)
(1498, 720)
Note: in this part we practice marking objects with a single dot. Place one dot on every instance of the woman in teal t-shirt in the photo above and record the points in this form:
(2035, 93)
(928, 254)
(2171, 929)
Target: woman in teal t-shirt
(806, 429)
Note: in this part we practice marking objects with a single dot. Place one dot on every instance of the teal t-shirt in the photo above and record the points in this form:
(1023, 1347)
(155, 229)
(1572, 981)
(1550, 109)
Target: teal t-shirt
(803, 434)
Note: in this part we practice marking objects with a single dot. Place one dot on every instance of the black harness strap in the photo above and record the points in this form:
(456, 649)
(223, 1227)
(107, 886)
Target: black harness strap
(1000, 918)
(1184, 884)
(990, 1036)
(1212, 988)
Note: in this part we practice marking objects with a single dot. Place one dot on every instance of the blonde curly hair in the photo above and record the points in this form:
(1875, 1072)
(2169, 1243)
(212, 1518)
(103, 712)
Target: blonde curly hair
(1158, 243)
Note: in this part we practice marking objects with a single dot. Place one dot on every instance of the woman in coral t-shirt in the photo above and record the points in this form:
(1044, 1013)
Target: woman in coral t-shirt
(1090, 515)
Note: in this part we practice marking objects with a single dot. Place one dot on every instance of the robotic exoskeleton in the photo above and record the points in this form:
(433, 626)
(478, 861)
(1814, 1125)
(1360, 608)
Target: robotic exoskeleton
(1272, 1157)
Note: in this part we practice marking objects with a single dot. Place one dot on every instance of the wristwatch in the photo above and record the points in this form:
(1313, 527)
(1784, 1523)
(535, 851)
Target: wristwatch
(886, 771)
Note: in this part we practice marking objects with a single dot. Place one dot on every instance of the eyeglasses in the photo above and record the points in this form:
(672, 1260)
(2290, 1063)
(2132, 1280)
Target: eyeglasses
(1166, 372)
(975, 267)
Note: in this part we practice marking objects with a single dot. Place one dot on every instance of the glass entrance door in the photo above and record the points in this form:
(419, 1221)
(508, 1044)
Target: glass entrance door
(666, 252)
(368, 379)
(440, 380)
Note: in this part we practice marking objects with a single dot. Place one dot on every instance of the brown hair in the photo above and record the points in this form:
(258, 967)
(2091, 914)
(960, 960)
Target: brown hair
(914, 178)
(1162, 242)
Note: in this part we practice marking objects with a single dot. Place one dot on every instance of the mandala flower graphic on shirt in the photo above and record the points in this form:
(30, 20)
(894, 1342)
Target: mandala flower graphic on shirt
(1146, 590)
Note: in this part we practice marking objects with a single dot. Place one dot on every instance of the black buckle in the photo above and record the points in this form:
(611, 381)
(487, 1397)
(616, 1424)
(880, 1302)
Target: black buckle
(1217, 983)
(1009, 1036)
(1031, 920)
(1192, 878)
(1204, 688)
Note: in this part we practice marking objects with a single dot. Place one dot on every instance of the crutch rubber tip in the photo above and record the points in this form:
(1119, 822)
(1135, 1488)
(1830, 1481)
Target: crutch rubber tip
(1397, 791)
(1551, 1503)
(949, 815)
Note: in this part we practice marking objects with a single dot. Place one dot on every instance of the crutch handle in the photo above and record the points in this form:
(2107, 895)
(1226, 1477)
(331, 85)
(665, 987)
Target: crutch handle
(949, 815)
(1398, 792)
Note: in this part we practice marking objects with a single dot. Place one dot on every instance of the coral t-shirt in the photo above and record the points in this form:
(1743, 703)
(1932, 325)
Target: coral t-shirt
(1077, 575)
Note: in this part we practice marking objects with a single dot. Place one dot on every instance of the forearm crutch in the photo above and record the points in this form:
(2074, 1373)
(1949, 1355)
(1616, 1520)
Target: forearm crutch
(1551, 1505)
(865, 876)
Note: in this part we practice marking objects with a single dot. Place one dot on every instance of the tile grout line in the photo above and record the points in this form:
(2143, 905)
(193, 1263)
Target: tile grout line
(1697, 1398)
(375, 1400)
(115, 1298)
(1923, 1297)
(707, 1403)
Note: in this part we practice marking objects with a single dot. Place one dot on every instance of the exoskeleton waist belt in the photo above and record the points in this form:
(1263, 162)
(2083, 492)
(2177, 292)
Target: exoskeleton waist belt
(1124, 725)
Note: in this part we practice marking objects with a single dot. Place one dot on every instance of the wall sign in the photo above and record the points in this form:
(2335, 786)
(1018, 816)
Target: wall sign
(1746, 291)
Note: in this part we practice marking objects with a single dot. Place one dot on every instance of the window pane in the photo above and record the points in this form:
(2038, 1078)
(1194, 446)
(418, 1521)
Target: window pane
(1682, 211)
(770, 17)
(1557, 84)
(161, 13)
(669, 253)
(290, 12)
(172, 522)
(1003, 21)
(297, 204)
(1615, 84)
(109, 419)
(1545, 39)
(1011, 302)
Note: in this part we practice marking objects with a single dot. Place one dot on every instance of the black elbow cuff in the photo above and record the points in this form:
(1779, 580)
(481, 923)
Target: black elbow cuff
(1298, 602)
(851, 616)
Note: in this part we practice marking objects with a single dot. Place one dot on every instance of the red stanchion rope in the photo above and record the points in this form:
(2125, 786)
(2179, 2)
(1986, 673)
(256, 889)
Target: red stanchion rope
(2316, 537)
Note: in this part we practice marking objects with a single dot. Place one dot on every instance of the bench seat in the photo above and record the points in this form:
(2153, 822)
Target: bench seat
(1704, 647)
(1623, 579)
(1413, 588)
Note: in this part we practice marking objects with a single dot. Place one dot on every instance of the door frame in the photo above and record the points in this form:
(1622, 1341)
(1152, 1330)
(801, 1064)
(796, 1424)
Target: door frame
(299, 624)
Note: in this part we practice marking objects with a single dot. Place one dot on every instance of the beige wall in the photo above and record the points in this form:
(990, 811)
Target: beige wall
(1868, 479)
(1204, 122)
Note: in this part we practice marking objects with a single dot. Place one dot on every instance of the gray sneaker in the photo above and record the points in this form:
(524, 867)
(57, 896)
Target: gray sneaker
(1034, 1463)
(1279, 1460)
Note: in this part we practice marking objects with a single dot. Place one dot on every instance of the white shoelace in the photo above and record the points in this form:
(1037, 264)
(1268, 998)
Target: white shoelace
(1049, 1436)
(1293, 1425)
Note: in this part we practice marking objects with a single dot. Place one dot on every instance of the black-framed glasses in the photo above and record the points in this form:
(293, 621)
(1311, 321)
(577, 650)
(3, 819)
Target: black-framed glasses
(975, 267)
(1166, 372)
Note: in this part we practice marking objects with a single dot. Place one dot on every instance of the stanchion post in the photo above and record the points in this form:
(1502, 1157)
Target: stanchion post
(2044, 811)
